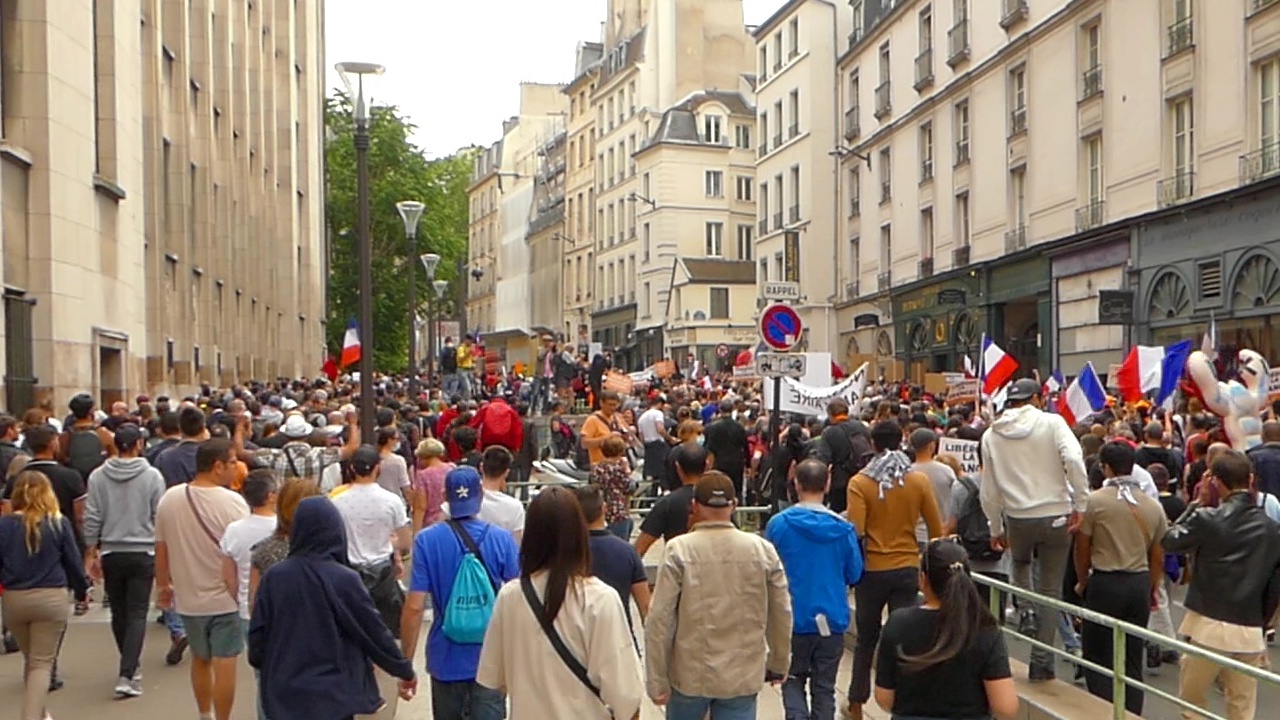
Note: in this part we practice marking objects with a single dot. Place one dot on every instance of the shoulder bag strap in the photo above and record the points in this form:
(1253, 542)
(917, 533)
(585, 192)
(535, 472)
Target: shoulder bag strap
(470, 544)
(195, 510)
(539, 611)
(1142, 523)
(292, 465)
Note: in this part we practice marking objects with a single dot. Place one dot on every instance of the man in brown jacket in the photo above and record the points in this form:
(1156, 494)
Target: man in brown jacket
(886, 500)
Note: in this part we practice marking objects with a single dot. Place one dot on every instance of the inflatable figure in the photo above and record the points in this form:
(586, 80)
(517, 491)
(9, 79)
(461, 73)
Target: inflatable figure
(1239, 402)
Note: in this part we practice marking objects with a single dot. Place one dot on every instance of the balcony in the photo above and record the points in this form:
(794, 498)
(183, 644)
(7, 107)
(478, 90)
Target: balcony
(962, 152)
(793, 53)
(883, 107)
(1091, 83)
(851, 290)
(1176, 189)
(924, 69)
(884, 281)
(1018, 121)
(777, 66)
(958, 43)
(764, 227)
(1259, 164)
(925, 266)
(926, 171)
(960, 255)
(1181, 37)
(793, 131)
(764, 149)
(793, 214)
(855, 206)
(777, 140)
(777, 220)
(1015, 239)
(1014, 12)
(886, 192)
(1091, 216)
(852, 128)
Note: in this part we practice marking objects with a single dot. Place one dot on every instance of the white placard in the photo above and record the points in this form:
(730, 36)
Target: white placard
(780, 291)
(966, 451)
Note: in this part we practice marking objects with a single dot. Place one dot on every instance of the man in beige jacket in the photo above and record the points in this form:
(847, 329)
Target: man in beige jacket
(720, 621)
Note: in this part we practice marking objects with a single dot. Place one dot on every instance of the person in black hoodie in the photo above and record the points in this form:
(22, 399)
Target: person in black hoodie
(845, 447)
(315, 634)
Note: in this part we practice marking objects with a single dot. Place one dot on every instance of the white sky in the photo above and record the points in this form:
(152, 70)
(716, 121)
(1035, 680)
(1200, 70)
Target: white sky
(454, 67)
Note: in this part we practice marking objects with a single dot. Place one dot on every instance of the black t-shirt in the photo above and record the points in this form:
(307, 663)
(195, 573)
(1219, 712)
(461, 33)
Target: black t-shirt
(1146, 455)
(727, 440)
(616, 562)
(913, 631)
(670, 515)
(1173, 506)
(67, 485)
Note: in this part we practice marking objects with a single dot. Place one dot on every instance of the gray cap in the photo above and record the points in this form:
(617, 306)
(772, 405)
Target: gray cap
(1023, 389)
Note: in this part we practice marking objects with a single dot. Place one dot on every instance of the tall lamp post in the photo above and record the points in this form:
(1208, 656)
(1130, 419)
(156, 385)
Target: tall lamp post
(359, 77)
(430, 261)
(440, 287)
(410, 213)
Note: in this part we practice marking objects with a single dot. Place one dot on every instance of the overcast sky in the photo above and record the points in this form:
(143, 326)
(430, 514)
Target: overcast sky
(454, 67)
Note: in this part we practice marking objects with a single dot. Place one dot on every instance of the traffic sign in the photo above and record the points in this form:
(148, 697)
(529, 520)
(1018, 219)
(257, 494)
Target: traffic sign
(722, 351)
(781, 291)
(773, 365)
(780, 327)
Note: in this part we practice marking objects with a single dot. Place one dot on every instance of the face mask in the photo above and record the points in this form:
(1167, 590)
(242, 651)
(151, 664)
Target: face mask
(701, 440)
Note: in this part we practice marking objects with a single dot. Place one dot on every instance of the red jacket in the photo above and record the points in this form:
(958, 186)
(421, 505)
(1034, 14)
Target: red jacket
(497, 413)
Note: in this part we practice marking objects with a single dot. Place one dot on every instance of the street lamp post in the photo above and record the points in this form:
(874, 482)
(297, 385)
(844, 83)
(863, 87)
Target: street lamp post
(430, 261)
(410, 213)
(359, 78)
(440, 286)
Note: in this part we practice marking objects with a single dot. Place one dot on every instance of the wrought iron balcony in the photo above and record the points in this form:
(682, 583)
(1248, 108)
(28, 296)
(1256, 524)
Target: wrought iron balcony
(764, 149)
(764, 226)
(793, 214)
(1091, 82)
(886, 191)
(1018, 121)
(855, 206)
(924, 69)
(1014, 12)
(851, 290)
(883, 106)
(926, 171)
(852, 128)
(962, 152)
(1260, 4)
(1176, 189)
(958, 43)
(884, 281)
(925, 267)
(794, 130)
(777, 140)
(1015, 239)
(1091, 215)
(1181, 36)
(1261, 163)
(777, 220)
(960, 255)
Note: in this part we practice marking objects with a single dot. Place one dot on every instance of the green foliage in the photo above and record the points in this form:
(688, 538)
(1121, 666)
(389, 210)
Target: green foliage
(398, 170)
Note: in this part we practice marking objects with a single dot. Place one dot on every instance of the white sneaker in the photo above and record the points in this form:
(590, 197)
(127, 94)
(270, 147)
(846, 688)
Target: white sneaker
(128, 688)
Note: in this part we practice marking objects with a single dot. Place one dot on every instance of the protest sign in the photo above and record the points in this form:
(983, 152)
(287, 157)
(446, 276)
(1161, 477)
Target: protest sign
(966, 451)
(803, 398)
(965, 391)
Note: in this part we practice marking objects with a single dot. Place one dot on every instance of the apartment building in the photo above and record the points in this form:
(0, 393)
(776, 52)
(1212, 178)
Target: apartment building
(578, 235)
(483, 238)
(546, 237)
(1036, 173)
(671, 82)
(160, 177)
(798, 165)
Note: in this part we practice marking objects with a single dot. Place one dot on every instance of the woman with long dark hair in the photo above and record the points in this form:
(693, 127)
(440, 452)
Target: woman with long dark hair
(558, 644)
(952, 641)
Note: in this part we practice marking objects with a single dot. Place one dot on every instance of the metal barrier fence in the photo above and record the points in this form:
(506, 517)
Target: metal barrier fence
(1120, 629)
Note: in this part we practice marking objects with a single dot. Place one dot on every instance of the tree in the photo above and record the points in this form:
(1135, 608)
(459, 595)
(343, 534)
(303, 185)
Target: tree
(398, 170)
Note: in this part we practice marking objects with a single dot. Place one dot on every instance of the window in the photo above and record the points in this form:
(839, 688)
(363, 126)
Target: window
(795, 194)
(763, 205)
(1183, 135)
(763, 274)
(963, 227)
(961, 131)
(926, 28)
(794, 37)
(1093, 167)
(1018, 99)
(960, 10)
(746, 237)
(631, 155)
(855, 88)
(764, 63)
(855, 259)
(777, 132)
(764, 132)
(644, 301)
(104, 95)
(885, 70)
(1018, 196)
(859, 11)
(926, 234)
(886, 248)
(711, 129)
(743, 185)
(610, 226)
(795, 112)
(1269, 112)
(742, 137)
(926, 152)
(719, 303)
(777, 52)
(855, 192)
(609, 112)
(647, 240)
(886, 176)
(1091, 55)
(609, 167)
(631, 98)
(715, 239)
(779, 265)
(714, 183)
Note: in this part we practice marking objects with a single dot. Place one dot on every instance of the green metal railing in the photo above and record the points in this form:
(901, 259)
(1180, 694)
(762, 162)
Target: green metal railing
(1120, 629)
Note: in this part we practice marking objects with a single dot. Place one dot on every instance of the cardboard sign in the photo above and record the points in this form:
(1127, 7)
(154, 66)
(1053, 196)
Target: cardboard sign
(1273, 384)
(935, 383)
(1113, 376)
(966, 451)
(619, 383)
(664, 369)
(966, 391)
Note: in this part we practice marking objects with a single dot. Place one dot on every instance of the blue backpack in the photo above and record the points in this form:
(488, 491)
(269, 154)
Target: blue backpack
(466, 615)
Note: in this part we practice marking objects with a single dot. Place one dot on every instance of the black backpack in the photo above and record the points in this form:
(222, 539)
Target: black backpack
(972, 527)
(84, 450)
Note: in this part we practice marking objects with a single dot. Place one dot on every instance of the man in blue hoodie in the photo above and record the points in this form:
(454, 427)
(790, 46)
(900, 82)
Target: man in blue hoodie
(315, 634)
(820, 554)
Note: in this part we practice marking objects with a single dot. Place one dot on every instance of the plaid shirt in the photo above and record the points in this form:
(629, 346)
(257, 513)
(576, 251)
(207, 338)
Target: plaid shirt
(298, 459)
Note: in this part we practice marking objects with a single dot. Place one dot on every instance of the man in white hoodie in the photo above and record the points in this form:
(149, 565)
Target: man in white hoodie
(1034, 487)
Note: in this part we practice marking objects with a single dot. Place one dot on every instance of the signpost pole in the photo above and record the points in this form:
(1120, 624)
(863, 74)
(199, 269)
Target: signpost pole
(775, 420)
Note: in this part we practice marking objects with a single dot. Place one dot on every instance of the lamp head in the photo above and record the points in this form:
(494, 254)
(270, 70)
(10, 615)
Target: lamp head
(430, 261)
(440, 286)
(360, 79)
(410, 213)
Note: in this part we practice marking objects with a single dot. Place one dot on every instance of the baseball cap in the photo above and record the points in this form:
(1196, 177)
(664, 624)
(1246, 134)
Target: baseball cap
(365, 459)
(463, 491)
(1023, 389)
(127, 436)
(714, 489)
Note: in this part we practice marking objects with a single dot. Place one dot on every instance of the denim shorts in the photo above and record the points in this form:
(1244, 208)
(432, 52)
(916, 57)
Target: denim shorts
(215, 636)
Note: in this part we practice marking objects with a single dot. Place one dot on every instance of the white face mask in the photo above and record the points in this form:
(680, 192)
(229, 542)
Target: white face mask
(701, 440)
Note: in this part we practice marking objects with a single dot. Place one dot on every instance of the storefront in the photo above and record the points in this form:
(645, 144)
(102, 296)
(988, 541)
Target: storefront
(1082, 275)
(713, 347)
(938, 322)
(1220, 260)
(614, 329)
(1019, 310)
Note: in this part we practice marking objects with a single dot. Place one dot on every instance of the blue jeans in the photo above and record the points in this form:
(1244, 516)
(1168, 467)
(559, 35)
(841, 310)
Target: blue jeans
(466, 699)
(685, 707)
(815, 660)
(173, 621)
(622, 529)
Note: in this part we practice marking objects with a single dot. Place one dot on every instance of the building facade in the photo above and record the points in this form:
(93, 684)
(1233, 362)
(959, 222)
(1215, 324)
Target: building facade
(162, 214)
(578, 235)
(546, 237)
(483, 233)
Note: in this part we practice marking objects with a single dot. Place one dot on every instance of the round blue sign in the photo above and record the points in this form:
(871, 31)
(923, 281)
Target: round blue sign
(780, 327)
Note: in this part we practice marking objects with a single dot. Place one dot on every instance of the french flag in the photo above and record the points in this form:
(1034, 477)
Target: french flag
(1152, 368)
(998, 366)
(969, 371)
(1084, 397)
(1054, 384)
(350, 345)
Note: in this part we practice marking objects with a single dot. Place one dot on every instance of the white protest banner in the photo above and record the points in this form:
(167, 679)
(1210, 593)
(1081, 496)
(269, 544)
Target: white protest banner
(805, 399)
(966, 451)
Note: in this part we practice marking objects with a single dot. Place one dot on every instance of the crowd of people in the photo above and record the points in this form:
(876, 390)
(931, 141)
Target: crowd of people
(261, 524)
